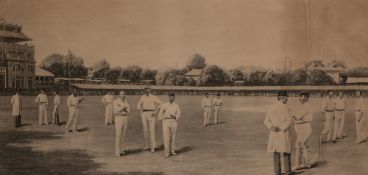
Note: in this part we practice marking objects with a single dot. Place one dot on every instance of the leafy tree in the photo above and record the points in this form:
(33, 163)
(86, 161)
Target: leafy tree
(214, 76)
(113, 75)
(314, 64)
(58, 69)
(69, 64)
(319, 77)
(132, 73)
(196, 62)
(101, 73)
(100, 69)
(236, 74)
(299, 77)
(148, 74)
(167, 77)
(257, 78)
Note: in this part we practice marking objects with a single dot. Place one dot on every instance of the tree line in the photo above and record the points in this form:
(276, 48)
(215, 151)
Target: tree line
(210, 75)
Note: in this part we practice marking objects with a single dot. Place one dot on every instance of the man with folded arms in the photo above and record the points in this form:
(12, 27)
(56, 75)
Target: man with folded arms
(148, 107)
(169, 114)
(121, 109)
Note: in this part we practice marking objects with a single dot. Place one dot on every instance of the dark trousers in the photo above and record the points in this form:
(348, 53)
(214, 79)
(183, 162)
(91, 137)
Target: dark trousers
(56, 118)
(17, 121)
(277, 162)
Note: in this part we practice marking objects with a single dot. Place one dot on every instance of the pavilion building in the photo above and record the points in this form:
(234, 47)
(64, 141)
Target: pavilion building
(17, 58)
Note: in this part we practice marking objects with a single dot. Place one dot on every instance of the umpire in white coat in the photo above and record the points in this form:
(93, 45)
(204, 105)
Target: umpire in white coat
(278, 121)
(16, 102)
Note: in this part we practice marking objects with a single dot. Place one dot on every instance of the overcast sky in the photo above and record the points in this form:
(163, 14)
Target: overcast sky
(161, 33)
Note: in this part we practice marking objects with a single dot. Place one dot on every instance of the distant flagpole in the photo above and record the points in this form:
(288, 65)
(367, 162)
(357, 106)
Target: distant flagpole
(307, 26)
(69, 55)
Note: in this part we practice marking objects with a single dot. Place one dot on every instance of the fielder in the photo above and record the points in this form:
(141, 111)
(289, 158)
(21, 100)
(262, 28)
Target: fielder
(278, 121)
(217, 103)
(169, 114)
(340, 106)
(16, 102)
(121, 110)
(73, 103)
(302, 118)
(42, 102)
(359, 118)
(55, 112)
(148, 107)
(206, 106)
(327, 107)
(107, 101)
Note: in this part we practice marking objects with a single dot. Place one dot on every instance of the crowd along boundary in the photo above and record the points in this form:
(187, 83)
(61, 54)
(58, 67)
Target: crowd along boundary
(100, 89)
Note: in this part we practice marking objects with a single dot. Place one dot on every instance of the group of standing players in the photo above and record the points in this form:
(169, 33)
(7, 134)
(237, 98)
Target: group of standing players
(280, 118)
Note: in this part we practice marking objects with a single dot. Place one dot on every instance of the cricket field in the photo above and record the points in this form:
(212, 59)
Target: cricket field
(236, 146)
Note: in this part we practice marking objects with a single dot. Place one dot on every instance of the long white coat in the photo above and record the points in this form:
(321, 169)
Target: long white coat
(16, 102)
(279, 116)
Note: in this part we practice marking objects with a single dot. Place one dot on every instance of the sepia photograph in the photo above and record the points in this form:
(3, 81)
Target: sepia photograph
(183, 87)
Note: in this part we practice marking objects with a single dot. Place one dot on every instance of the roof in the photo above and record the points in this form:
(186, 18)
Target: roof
(357, 80)
(194, 72)
(43, 73)
(13, 36)
(12, 32)
(354, 74)
(220, 88)
(75, 79)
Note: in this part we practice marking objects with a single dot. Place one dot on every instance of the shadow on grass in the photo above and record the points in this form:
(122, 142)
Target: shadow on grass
(184, 149)
(26, 124)
(19, 159)
(83, 129)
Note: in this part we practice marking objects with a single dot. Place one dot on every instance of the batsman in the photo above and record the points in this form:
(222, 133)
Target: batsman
(302, 118)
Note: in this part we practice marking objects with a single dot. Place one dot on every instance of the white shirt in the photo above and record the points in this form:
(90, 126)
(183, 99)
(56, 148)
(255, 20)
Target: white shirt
(340, 104)
(206, 102)
(328, 104)
(57, 100)
(303, 113)
(217, 102)
(359, 104)
(42, 98)
(168, 110)
(120, 107)
(107, 99)
(149, 102)
(73, 101)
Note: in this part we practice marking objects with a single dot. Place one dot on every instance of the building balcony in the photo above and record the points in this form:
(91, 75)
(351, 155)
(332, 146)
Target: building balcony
(16, 47)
